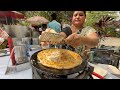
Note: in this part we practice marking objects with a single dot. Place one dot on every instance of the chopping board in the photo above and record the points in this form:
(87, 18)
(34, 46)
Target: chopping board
(98, 70)
(110, 68)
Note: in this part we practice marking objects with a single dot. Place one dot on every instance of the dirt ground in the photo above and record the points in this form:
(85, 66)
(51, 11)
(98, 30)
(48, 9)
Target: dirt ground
(110, 41)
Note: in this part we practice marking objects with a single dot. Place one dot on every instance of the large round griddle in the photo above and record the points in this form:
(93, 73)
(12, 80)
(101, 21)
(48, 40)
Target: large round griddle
(51, 71)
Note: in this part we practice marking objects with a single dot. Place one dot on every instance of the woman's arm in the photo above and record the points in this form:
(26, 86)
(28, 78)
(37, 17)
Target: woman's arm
(90, 40)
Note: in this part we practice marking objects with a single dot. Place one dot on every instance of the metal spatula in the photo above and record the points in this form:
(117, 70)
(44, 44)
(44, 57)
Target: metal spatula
(51, 37)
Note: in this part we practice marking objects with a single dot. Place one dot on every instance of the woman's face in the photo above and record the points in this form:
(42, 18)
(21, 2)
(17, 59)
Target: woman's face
(78, 18)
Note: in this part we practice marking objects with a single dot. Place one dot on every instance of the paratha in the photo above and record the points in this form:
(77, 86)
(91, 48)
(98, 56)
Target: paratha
(59, 58)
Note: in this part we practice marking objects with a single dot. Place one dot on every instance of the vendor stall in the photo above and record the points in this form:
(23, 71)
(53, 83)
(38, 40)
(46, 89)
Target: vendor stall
(104, 70)
(27, 61)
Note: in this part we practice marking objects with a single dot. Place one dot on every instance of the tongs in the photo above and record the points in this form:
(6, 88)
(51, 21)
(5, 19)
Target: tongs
(51, 37)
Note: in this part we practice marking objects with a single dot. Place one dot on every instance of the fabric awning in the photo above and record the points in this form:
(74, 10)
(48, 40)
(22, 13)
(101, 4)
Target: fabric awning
(12, 14)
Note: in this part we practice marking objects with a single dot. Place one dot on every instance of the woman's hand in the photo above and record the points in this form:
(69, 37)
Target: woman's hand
(74, 40)
(44, 43)
(47, 43)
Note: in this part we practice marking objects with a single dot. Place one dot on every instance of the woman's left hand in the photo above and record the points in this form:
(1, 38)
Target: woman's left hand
(74, 40)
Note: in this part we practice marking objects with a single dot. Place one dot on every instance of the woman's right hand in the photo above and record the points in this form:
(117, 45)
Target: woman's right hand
(74, 40)
(47, 30)
(44, 43)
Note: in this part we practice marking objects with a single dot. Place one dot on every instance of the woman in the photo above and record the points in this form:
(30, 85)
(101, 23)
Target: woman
(77, 37)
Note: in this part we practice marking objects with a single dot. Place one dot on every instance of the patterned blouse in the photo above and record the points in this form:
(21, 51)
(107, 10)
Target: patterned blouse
(84, 32)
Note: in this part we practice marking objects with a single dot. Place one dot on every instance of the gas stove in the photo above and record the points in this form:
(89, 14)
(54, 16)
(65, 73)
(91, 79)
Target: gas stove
(84, 74)
(82, 71)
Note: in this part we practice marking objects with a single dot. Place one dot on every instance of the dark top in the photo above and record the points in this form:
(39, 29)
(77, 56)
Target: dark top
(67, 31)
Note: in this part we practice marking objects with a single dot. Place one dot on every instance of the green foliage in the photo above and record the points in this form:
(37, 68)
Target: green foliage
(61, 15)
(110, 31)
(24, 23)
(91, 18)
(105, 29)
(94, 16)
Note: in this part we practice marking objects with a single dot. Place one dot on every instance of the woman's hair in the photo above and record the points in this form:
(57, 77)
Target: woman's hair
(74, 11)
(84, 12)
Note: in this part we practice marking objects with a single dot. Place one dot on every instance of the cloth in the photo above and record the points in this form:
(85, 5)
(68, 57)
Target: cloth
(55, 25)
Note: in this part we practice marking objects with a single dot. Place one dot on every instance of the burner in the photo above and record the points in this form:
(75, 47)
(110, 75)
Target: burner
(84, 74)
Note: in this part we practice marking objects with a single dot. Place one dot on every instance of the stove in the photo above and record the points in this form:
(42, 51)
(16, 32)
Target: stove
(39, 71)
(84, 74)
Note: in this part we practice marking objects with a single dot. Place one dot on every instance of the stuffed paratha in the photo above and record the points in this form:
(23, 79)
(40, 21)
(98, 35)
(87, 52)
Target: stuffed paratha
(59, 58)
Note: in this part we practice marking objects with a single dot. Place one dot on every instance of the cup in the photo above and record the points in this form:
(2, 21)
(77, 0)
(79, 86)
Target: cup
(16, 41)
(20, 53)
(26, 40)
(35, 41)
